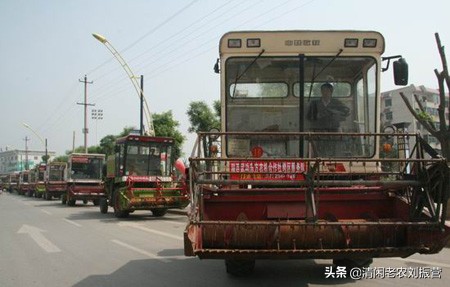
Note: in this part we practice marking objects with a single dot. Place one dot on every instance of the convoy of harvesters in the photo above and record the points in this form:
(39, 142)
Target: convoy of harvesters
(138, 177)
(272, 183)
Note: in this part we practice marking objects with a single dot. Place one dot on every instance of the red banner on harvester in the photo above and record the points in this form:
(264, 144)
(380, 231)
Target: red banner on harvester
(267, 170)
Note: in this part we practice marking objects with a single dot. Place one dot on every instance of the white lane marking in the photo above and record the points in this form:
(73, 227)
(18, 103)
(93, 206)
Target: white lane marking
(175, 222)
(72, 222)
(140, 251)
(146, 229)
(36, 234)
(430, 263)
(46, 211)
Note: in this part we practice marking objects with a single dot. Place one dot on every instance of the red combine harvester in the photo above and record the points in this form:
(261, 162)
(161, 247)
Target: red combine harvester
(55, 180)
(24, 186)
(84, 178)
(39, 184)
(301, 169)
(139, 177)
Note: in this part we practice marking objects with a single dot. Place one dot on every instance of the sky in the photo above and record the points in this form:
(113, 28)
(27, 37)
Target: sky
(47, 48)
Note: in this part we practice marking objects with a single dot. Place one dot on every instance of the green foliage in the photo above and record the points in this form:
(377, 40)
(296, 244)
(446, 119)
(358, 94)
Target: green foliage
(126, 131)
(45, 158)
(166, 126)
(202, 118)
(424, 116)
(107, 144)
(61, 158)
(217, 109)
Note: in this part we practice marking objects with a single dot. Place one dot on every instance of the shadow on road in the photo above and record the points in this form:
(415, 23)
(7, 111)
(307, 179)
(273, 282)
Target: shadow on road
(138, 216)
(194, 272)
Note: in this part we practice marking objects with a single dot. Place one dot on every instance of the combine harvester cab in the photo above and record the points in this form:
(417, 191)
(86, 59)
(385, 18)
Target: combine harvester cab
(13, 182)
(32, 182)
(84, 178)
(282, 182)
(39, 185)
(24, 182)
(55, 181)
(139, 176)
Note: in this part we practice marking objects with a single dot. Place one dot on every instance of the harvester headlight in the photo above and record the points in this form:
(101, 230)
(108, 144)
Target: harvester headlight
(369, 43)
(351, 43)
(257, 151)
(234, 43)
(387, 147)
(214, 149)
(253, 43)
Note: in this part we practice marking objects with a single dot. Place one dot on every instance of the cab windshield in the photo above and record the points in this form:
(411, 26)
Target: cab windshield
(56, 172)
(148, 159)
(263, 95)
(86, 168)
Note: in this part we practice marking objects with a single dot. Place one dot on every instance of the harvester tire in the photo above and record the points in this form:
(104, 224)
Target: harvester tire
(239, 268)
(71, 202)
(158, 212)
(117, 211)
(103, 205)
(64, 199)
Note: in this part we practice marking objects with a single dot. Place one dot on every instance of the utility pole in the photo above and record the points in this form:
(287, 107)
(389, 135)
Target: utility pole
(73, 142)
(141, 108)
(26, 139)
(85, 104)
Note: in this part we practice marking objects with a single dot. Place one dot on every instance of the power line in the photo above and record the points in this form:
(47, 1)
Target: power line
(167, 20)
(201, 32)
(170, 38)
(163, 56)
(170, 18)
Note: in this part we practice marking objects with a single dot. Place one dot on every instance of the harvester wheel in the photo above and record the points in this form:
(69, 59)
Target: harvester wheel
(63, 199)
(71, 202)
(158, 212)
(103, 205)
(117, 210)
(239, 267)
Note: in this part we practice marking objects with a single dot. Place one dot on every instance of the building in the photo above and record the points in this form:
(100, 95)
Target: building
(395, 111)
(18, 160)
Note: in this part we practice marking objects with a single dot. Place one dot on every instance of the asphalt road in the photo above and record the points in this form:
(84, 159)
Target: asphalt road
(43, 243)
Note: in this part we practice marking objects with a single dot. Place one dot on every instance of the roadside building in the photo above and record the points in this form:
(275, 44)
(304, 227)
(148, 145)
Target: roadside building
(17, 160)
(395, 112)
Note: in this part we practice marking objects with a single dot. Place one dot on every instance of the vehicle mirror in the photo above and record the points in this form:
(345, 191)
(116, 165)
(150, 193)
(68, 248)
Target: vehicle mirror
(401, 72)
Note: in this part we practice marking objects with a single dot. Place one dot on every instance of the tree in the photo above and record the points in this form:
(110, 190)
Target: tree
(443, 132)
(80, 149)
(165, 126)
(61, 158)
(107, 144)
(202, 118)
